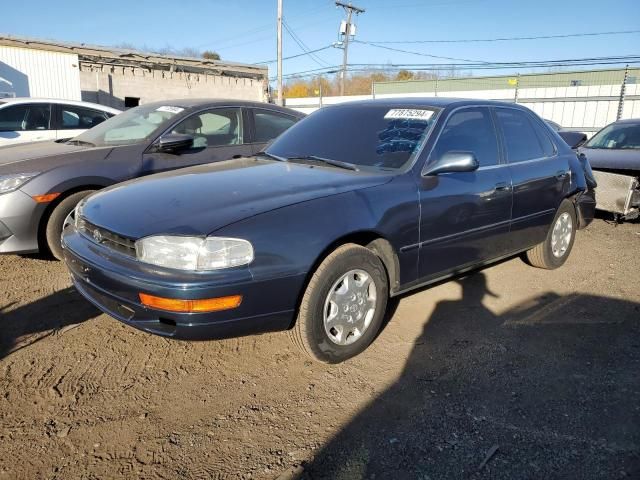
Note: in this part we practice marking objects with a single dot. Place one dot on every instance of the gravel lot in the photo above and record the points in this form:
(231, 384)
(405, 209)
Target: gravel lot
(510, 373)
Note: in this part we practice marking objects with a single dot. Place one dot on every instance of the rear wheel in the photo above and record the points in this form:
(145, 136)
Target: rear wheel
(554, 251)
(56, 222)
(343, 306)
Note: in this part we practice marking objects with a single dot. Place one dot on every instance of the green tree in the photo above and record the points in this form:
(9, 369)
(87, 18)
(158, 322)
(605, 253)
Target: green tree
(404, 75)
(210, 55)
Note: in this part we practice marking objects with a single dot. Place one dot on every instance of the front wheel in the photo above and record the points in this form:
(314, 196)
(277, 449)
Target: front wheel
(57, 221)
(554, 251)
(343, 306)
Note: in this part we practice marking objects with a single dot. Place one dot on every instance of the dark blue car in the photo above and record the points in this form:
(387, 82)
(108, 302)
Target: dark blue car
(356, 203)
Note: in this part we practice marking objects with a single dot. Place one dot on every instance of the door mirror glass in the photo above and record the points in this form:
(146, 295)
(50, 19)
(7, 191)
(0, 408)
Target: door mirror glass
(453, 161)
(173, 142)
(573, 139)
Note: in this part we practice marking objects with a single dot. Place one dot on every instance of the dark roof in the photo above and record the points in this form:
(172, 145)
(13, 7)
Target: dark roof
(629, 121)
(218, 102)
(440, 102)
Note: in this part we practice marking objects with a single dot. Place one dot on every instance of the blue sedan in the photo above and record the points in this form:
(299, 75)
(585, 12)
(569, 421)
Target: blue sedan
(356, 203)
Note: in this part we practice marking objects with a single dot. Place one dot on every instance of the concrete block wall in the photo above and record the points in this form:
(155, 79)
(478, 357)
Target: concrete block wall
(109, 85)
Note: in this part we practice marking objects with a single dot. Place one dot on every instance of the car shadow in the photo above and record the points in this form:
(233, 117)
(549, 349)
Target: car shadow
(53, 312)
(548, 389)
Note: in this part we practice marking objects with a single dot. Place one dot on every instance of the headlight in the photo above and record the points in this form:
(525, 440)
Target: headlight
(77, 213)
(9, 183)
(194, 253)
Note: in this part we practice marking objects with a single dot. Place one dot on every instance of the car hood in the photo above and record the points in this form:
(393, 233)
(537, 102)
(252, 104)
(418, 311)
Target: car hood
(200, 200)
(606, 158)
(43, 156)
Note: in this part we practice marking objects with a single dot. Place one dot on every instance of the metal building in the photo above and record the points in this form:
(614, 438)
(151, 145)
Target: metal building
(117, 77)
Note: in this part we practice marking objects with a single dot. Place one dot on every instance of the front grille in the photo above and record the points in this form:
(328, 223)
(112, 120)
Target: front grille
(104, 237)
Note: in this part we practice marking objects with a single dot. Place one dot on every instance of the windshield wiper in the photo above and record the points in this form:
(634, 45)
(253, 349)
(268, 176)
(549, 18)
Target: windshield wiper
(328, 161)
(80, 142)
(271, 155)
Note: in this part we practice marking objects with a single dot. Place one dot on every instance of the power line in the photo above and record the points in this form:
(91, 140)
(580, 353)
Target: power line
(296, 56)
(505, 39)
(360, 67)
(418, 53)
(303, 46)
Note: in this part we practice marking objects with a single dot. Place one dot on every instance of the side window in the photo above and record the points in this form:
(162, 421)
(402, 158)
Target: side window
(469, 130)
(270, 125)
(520, 136)
(213, 128)
(79, 118)
(543, 137)
(25, 117)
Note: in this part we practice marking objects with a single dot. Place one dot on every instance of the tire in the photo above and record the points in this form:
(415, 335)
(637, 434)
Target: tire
(55, 222)
(350, 331)
(542, 255)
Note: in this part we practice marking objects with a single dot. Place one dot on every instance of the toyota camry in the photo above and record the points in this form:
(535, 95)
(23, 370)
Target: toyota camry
(354, 204)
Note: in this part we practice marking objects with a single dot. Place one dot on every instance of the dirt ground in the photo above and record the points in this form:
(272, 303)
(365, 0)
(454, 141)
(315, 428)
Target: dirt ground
(511, 373)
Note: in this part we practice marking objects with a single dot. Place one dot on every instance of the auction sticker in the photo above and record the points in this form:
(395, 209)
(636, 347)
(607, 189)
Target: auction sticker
(169, 109)
(409, 113)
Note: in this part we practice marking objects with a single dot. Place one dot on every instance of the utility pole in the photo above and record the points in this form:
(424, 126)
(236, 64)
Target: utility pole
(280, 102)
(347, 33)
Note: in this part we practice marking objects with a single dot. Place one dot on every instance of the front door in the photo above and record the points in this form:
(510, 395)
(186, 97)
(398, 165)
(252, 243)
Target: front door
(218, 135)
(464, 216)
(538, 174)
(72, 120)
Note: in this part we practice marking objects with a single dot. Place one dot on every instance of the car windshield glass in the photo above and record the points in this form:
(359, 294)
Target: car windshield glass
(374, 136)
(620, 136)
(129, 127)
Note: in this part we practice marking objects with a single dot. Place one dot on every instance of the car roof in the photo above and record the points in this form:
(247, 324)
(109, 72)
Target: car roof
(63, 101)
(220, 102)
(439, 102)
(627, 121)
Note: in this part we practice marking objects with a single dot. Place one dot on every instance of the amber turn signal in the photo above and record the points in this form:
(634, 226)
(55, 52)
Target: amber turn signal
(45, 198)
(191, 306)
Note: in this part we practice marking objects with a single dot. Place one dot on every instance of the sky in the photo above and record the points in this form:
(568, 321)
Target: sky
(245, 30)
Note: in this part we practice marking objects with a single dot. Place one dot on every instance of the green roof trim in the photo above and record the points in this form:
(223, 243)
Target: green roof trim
(509, 82)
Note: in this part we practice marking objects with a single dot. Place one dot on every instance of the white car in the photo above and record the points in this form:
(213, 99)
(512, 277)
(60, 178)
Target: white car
(38, 119)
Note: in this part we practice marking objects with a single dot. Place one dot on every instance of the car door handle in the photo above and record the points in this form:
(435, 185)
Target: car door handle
(502, 186)
(560, 174)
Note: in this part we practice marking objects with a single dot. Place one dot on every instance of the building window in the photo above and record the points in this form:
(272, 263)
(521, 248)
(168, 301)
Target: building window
(130, 102)
(576, 83)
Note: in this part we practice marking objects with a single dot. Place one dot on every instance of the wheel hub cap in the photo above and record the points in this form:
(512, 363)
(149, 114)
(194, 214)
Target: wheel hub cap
(561, 235)
(349, 307)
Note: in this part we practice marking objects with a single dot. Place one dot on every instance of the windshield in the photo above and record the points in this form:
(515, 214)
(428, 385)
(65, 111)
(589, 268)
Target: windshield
(129, 127)
(617, 136)
(376, 136)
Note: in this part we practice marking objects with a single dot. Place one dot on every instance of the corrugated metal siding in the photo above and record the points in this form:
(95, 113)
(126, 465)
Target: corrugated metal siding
(38, 73)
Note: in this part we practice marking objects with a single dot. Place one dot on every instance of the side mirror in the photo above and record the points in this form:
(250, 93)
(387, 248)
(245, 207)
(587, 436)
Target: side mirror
(573, 139)
(172, 142)
(453, 162)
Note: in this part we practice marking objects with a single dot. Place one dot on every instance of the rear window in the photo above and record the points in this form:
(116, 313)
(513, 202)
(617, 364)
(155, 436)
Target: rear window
(375, 136)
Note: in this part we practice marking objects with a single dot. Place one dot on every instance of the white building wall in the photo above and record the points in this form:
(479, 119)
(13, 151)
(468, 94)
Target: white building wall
(37, 73)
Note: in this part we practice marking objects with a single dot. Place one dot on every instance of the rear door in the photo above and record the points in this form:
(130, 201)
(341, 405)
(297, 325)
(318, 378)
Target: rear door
(25, 122)
(268, 125)
(219, 134)
(464, 216)
(72, 120)
(538, 175)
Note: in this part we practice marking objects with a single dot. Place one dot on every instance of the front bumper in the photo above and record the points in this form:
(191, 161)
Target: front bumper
(585, 207)
(113, 282)
(19, 219)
